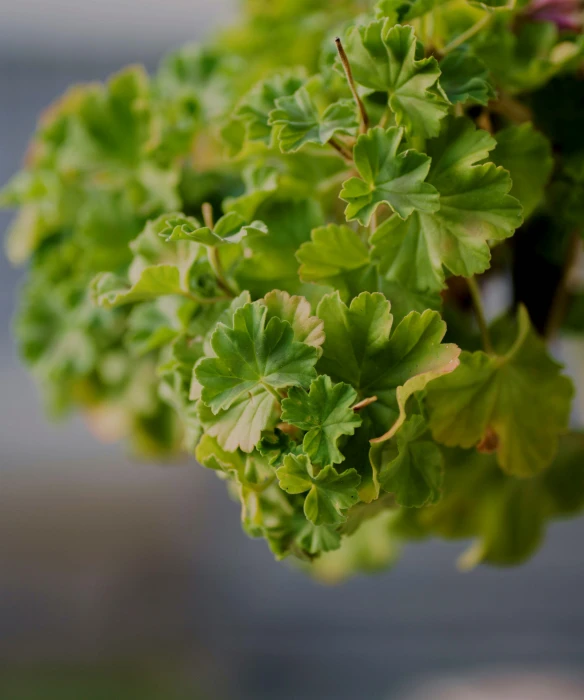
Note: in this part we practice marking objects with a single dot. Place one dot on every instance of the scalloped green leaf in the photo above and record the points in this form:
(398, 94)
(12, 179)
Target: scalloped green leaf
(253, 360)
(329, 495)
(388, 176)
(300, 122)
(298, 312)
(254, 108)
(336, 256)
(229, 229)
(362, 349)
(475, 208)
(465, 78)
(325, 414)
(517, 404)
(383, 58)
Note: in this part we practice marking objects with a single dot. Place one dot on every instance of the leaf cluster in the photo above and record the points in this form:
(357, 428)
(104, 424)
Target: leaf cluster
(266, 255)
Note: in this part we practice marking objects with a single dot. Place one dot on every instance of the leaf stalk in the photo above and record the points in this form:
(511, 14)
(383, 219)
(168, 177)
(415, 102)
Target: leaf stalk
(477, 303)
(213, 252)
(363, 116)
(468, 34)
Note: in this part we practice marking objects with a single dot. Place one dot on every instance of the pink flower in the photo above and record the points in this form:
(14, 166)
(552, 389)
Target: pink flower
(566, 14)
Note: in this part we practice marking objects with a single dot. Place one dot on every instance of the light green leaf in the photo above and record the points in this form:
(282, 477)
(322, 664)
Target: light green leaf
(465, 78)
(254, 359)
(527, 155)
(410, 466)
(296, 310)
(254, 109)
(109, 290)
(361, 349)
(383, 58)
(229, 229)
(329, 493)
(272, 264)
(301, 123)
(325, 414)
(318, 538)
(387, 177)
(335, 256)
(155, 324)
(211, 455)
(240, 426)
(517, 403)
(475, 207)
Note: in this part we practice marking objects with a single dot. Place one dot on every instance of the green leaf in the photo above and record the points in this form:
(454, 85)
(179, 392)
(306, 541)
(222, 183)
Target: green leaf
(362, 350)
(301, 123)
(325, 414)
(336, 256)
(155, 324)
(316, 539)
(517, 403)
(465, 78)
(109, 291)
(329, 493)
(240, 426)
(275, 446)
(383, 58)
(410, 466)
(387, 177)
(272, 264)
(527, 155)
(229, 229)
(254, 360)
(211, 455)
(254, 109)
(296, 311)
(474, 209)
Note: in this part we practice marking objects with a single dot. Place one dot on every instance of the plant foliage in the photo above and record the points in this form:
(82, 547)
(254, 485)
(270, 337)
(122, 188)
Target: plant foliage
(266, 255)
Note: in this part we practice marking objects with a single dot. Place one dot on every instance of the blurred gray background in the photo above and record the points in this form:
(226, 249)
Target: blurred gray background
(126, 580)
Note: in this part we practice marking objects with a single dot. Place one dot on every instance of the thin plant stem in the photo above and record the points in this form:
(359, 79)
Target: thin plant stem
(385, 117)
(465, 36)
(213, 252)
(477, 303)
(339, 148)
(363, 116)
(364, 403)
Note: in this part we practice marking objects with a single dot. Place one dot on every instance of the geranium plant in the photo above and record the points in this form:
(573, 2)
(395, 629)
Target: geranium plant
(273, 255)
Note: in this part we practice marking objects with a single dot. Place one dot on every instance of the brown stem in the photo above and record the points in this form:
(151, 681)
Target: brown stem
(365, 402)
(341, 150)
(364, 117)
